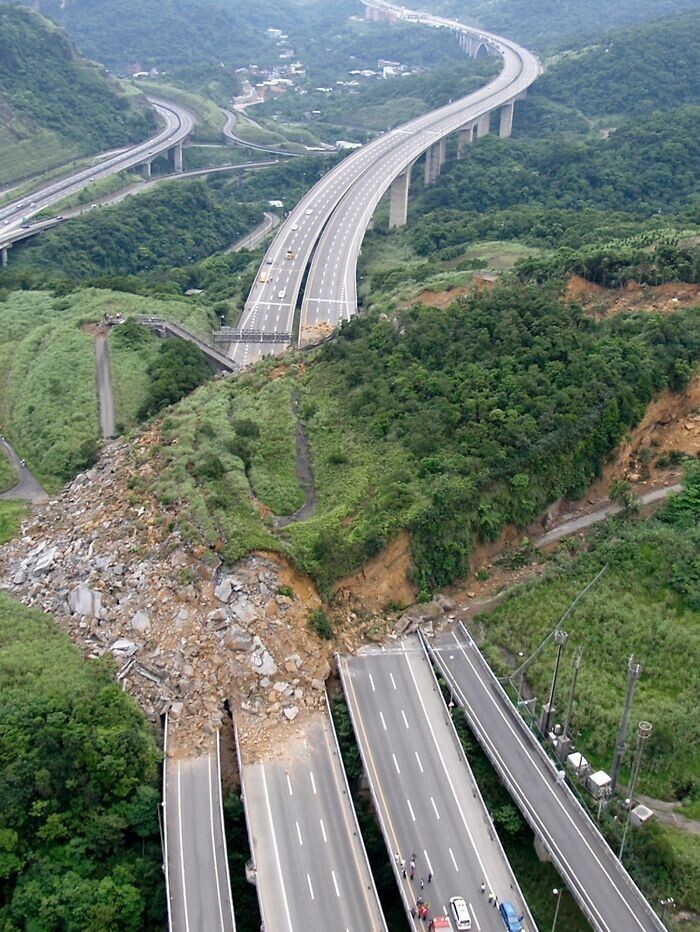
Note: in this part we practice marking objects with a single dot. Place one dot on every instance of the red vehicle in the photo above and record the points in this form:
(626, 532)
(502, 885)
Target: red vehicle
(440, 924)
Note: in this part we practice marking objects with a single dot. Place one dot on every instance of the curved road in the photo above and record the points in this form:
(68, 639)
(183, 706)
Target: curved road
(13, 216)
(28, 487)
(332, 217)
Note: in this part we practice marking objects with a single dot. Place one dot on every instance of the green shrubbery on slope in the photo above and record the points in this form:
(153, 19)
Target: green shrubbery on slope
(79, 841)
(449, 423)
(45, 87)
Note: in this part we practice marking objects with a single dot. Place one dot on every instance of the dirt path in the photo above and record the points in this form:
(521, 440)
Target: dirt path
(305, 473)
(28, 487)
(603, 510)
(104, 387)
(670, 813)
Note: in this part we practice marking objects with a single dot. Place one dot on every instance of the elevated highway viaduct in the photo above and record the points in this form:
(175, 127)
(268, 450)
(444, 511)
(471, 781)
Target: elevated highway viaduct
(324, 232)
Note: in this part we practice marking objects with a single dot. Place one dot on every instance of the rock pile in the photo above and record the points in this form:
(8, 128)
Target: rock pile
(186, 634)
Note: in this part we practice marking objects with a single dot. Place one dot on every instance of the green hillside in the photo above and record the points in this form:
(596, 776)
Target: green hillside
(54, 104)
(168, 33)
(551, 23)
(630, 71)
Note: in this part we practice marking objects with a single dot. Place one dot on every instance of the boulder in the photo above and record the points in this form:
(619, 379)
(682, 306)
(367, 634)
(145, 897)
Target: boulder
(45, 562)
(291, 712)
(123, 648)
(264, 663)
(445, 602)
(224, 589)
(85, 601)
(141, 623)
(237, 638)
(244, 610)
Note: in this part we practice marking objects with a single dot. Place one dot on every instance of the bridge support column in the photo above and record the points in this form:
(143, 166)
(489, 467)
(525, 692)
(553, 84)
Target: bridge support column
(506, 125)
(398, 203)
(145, 169)
(464, 139)
(432, 163)
(4, 256)
(483, 127)
(175, 156)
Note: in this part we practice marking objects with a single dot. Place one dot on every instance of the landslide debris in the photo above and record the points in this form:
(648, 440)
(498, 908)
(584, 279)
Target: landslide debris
(185, 633)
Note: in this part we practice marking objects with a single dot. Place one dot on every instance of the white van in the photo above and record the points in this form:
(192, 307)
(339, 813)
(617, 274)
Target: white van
(462, 919)
(282, 293)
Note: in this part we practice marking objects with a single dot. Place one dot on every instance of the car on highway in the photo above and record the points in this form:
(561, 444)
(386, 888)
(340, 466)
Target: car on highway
(510, 917)
(282, 294)
(460, 913)
(268, 261)
(289, 254)
(309, 211)
(294, 226)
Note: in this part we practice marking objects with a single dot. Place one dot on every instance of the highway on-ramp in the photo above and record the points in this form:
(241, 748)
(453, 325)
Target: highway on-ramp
(310, 864)
(199, 890)
(592, 873)
(423, 788)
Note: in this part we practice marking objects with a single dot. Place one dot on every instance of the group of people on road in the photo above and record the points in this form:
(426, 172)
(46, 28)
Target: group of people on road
(408, 872)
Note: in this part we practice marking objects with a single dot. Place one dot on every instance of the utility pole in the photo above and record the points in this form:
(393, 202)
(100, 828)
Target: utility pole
(564, 742)
(560, 638)
(634, 671)
(643, 733)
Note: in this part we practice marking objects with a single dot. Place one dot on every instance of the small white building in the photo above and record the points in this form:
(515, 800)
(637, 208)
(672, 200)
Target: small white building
(598, 783)
(577, 763)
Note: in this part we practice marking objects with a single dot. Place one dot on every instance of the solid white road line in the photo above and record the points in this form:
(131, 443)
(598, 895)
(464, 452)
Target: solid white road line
(213, 843)
(275, 849)
(182, 848)
(551, 792)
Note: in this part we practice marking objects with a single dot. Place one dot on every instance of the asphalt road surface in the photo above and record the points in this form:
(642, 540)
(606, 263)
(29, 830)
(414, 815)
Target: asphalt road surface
(104, 387)
(423, 788)
(199, 891)
(589, 868)
(346, 196)
(28, 486)
(310, 862)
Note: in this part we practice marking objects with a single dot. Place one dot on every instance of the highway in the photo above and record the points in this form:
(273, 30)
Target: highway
(423, 788)
(228, 132)
(332, 217)
(15, 215)
(592, 873)
(310, 863)
(199, 890)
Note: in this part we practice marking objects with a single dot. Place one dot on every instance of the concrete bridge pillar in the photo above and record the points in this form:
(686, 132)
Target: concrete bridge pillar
(175, 156)
(432, 163)
(464, 139)
(483, 126)
(506, 124)
(398, 202)
(442, 150)
(145, 169)
(5, 256)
